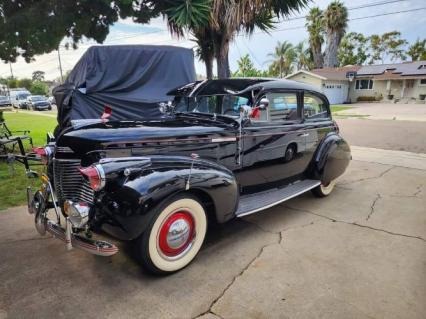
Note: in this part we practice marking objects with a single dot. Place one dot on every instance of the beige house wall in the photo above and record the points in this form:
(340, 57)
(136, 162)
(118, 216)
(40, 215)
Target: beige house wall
(378, 90)
(308, 79)
(418, 89)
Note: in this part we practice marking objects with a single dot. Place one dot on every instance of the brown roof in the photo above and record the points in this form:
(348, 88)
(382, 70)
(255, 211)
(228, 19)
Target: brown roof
(337, 74)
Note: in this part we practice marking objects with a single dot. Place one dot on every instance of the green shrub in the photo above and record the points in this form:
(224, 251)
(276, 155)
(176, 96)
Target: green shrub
(366, 99)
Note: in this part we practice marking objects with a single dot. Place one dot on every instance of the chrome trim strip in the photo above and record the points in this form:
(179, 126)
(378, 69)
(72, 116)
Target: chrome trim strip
(280, 201)
(101, 175)
(224, 139)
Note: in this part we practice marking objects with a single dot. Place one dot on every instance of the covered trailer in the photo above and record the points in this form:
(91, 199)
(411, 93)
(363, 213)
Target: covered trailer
(130, 79)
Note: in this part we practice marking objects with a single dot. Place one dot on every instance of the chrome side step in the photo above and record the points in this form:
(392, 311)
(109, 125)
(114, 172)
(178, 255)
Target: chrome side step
(253, 203)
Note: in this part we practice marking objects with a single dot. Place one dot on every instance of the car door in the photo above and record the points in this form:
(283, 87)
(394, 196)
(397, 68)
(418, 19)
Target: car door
(317, 118)
(274, 142)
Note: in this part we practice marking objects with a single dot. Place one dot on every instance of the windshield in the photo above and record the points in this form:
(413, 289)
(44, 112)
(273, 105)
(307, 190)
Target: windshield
(218, 104)
(38, 98)
(23, 96)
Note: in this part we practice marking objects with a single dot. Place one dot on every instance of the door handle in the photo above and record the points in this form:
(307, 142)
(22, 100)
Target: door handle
(304, 135)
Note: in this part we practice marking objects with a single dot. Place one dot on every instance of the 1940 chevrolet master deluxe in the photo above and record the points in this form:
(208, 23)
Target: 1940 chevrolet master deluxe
(226, 149)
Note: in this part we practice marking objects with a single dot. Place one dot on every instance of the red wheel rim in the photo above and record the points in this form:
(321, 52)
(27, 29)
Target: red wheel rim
(176, 233)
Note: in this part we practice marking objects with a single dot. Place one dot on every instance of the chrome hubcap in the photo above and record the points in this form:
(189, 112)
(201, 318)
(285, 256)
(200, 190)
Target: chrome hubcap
(178, 233)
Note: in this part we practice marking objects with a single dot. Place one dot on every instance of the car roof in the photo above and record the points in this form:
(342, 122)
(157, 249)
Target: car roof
(237, 86)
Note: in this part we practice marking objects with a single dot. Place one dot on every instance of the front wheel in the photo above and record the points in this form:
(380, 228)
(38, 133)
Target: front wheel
(324, 190)
(174, 236)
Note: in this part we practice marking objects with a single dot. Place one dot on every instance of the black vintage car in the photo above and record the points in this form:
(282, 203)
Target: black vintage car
(224, 149)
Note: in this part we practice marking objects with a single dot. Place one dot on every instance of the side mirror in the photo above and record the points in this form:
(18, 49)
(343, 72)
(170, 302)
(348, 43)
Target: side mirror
(263, 104)
(166, 107)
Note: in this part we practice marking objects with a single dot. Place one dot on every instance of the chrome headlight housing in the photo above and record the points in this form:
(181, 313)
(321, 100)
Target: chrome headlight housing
(78, 213)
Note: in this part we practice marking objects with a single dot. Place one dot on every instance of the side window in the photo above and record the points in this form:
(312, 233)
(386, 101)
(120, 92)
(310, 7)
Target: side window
(314, 107)
(281, 107)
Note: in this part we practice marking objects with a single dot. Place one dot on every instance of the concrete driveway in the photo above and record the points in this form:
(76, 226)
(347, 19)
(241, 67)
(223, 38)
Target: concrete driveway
(360, 253)
(388, 111)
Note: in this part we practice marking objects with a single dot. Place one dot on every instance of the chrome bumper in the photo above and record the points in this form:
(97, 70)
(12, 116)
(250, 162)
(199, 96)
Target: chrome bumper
(37, 204)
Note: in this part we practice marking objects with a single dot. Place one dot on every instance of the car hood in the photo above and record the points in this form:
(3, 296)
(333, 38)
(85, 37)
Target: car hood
(98, 136)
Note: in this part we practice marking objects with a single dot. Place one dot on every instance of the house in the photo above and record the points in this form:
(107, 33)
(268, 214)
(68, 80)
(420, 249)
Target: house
(401, 82)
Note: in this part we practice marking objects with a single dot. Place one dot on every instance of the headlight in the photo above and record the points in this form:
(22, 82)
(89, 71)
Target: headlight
(78, 213)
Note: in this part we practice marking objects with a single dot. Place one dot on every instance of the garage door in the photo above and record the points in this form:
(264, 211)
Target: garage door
(336, 93)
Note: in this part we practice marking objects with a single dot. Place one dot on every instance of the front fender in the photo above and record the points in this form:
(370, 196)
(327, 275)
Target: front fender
(331, 159)
(130, 205)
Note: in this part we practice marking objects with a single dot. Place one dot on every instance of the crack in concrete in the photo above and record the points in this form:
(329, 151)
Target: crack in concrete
(355, 224)
(373, 206)
(369, 178)
(237, 276)
(241, 273)
(419, 189)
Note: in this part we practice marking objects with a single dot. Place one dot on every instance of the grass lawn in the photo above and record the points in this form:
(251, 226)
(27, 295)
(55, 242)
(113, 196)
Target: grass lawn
(338, 108)
(13, 184)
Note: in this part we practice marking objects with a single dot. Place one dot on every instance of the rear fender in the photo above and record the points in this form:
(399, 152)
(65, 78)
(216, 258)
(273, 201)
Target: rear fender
(129, 205)
(331, 159)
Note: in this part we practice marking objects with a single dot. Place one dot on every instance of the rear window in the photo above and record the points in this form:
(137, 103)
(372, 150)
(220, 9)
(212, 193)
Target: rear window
(314, 107)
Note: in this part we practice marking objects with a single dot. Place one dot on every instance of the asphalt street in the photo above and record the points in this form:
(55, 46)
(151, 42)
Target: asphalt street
(407, 136)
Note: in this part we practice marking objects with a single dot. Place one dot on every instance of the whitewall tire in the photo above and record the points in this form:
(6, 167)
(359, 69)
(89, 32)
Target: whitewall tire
(324, 190)
(174, 235)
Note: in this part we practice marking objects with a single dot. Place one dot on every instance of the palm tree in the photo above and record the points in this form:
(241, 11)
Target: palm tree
(314, 24)
(205, 48)
(303, 56)
(282, 59)
(224, 19)
(335, 21)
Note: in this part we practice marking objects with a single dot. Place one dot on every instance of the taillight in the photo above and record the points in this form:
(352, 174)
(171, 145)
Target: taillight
(336, 127)
(43, 153)
(95, 175)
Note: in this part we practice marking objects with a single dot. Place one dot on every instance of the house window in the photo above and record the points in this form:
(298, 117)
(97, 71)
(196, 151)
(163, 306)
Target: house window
(422, 81)
(364, 84)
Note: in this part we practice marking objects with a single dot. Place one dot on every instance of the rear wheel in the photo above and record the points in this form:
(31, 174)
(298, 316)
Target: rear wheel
(290, 152)
(174, 235)
(324, 190)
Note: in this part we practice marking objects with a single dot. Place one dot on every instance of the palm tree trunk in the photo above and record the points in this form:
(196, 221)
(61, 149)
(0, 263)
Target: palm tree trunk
(333, 41)
(222, 59)
(209, 67)
(318, 58)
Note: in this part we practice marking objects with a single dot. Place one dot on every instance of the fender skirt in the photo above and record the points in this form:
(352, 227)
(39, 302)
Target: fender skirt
(332, 158)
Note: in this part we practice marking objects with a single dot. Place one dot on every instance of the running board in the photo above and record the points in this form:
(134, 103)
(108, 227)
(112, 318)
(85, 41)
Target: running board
(253, 203)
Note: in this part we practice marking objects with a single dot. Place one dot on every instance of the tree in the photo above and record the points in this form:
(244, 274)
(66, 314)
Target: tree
(282, 59)
(39, 88)
(38, 76)
(353, 49)
(388, 45)
(247, 69)
(417, 51)
(12, 83)
(35, 27)
(335, 22)
(25, 83)
(302, 56)
(228, 18)
(315, 27)
(205, 49)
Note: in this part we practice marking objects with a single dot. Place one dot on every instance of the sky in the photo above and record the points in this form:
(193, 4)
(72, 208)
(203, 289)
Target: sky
(258, 46)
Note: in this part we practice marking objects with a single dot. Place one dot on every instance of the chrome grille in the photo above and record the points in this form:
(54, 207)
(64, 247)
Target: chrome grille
(69, 184)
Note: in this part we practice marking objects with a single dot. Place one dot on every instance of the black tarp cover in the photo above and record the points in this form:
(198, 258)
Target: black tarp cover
(131, 79)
